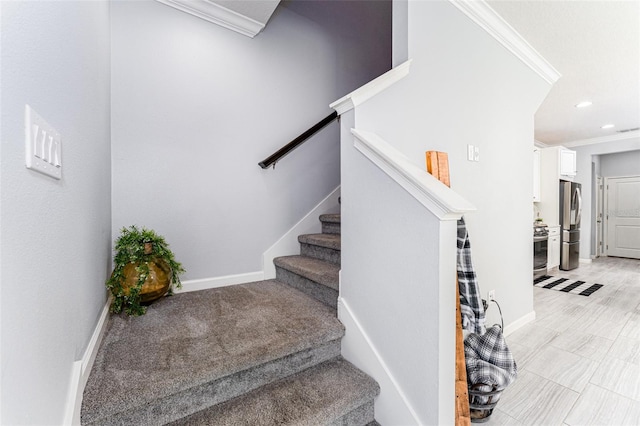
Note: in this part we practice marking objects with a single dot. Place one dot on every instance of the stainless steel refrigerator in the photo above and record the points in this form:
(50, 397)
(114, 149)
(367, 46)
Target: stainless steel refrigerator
(570, 214)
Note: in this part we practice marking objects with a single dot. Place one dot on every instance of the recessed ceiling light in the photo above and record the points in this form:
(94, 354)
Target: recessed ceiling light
(607, 126)
(583, 104)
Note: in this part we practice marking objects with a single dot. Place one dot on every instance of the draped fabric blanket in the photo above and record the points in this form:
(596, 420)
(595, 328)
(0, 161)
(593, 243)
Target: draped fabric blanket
(471, 307)
(489, 361)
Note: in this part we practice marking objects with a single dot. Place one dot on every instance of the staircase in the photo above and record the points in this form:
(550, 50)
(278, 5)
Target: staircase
(261, 353)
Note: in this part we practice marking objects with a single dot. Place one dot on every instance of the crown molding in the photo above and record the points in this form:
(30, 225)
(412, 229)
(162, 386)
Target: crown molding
(220, 15)
(603, 139)
(489, 20)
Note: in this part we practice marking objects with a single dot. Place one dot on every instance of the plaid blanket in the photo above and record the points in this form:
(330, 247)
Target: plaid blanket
(471, 307)
(489, 362)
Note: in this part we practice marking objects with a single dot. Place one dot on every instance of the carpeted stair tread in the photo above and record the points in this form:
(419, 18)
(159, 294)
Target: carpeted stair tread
(317, 270)
(321, 246)
(333, 218)
(190, 340)
(319, 395)
(330, 223)
(331, 241)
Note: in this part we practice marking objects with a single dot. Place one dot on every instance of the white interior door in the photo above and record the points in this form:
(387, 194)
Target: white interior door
(623, 217)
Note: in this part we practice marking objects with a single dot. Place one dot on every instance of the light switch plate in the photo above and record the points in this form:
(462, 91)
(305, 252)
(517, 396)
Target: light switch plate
(470, 151)
(43, 146)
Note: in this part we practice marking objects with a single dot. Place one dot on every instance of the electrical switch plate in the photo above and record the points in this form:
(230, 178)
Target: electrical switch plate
(476, 153)
(43, 146)
(470, 152)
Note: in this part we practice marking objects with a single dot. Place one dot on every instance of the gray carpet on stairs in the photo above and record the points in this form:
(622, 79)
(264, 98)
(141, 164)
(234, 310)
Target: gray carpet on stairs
(262, 353)
(331, 223)
(324, 240)
(205, 347)
(333, 392)
(317, 270)
(321, 246)
(316, 278)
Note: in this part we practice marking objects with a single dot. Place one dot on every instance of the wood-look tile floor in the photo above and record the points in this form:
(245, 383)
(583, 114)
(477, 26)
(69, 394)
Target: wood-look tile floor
(579, 361)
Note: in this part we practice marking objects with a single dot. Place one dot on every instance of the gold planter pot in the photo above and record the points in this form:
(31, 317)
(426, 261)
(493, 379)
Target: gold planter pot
(155, 286)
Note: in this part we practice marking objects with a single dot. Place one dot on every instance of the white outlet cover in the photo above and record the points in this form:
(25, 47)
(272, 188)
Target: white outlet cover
(43, 145)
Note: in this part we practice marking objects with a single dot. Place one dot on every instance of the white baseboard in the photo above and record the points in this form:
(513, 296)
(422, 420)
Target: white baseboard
(519, 323)
(74, 396)
(215, 282)
(82, 368)
(391, 406)
(310, 224)
(584, 260)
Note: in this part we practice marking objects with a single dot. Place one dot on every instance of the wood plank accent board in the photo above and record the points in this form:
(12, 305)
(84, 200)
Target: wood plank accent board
(438, 166)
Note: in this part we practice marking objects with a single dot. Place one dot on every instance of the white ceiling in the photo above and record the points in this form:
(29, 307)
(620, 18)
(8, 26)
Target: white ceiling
(595, 45)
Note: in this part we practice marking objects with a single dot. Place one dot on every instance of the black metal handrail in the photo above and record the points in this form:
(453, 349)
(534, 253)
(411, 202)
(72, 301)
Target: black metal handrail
(277, 156)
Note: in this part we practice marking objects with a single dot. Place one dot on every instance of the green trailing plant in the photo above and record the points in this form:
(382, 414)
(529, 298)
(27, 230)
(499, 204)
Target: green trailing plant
(139, 247)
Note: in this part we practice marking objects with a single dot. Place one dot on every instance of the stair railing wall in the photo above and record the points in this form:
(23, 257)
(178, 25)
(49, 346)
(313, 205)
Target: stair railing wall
(398, 280)
(397, 288)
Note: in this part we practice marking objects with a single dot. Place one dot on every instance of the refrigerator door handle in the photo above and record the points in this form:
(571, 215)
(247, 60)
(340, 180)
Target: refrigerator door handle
(565, 205)
(578, 207)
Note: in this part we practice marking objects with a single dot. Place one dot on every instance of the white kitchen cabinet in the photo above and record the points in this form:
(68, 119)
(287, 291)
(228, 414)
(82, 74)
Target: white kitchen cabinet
(553, 247)
(536, 175)
(551, 173)
(568, 163)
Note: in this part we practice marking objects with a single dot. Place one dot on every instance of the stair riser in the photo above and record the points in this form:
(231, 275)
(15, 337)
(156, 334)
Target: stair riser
(330, 228)
(361, 416)
(199, 397)
(320, 292)
(322, 253)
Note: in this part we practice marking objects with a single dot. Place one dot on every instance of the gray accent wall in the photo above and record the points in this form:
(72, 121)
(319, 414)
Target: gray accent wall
(196, 107)
(55, 234)
(620, 164)
(400, 32)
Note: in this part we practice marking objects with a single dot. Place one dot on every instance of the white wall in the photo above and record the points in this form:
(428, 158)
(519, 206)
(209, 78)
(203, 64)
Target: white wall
(466, 88)
(620, 164)
(55, 241)
(196, 107)
(585, 156)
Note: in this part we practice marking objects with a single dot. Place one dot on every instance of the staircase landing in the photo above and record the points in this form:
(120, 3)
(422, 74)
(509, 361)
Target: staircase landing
(259, 353)
(190, 345)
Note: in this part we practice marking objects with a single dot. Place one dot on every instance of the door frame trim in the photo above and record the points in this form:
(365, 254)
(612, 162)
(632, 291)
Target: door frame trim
(600, 199)
(605, 219)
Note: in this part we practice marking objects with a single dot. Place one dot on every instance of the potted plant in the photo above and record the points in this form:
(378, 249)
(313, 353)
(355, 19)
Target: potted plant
(145, 269)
